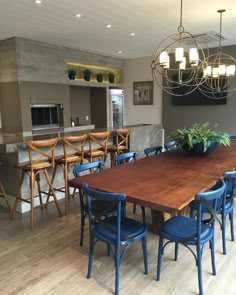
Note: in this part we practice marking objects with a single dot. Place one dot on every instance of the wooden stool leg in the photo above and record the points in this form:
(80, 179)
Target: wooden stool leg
(5, 197)
(32, 185)
(39, 190)
(67, 193)
(52, 191)
(52, 182)
(18, 193)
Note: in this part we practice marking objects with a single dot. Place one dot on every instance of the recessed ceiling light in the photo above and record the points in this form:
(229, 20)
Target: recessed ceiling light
(108, 26)
(132, 34)
(119, 51)
(37, 1)
(78, 15)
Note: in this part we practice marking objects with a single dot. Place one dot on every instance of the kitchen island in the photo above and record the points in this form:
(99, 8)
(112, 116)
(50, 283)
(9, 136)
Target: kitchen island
(13, 150)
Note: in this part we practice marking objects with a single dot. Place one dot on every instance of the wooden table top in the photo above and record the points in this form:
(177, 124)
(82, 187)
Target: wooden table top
(165, 182)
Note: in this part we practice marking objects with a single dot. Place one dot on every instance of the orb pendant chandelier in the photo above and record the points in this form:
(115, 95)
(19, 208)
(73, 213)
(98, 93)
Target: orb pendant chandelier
(178, 62)
(219, 71)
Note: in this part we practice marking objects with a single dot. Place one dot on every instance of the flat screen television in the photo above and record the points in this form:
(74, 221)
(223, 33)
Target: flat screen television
(197, 97)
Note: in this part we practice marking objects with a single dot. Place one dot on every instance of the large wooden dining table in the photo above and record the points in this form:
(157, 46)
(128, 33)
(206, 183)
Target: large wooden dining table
(166, 182)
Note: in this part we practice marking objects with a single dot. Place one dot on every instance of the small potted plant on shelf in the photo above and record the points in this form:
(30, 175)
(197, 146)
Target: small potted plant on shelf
(87, 74)
(111, 77)
(71, 73)
(200, 139)
(99, 77)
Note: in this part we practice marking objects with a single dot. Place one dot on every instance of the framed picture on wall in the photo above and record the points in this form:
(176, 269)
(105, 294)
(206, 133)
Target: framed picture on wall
(143, 92)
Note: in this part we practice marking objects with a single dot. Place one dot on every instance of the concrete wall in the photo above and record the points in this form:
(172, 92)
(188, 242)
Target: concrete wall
(184, 116)
(80, 104)
(44, 62)
(45, 66)
(8, 61)
(140, 70)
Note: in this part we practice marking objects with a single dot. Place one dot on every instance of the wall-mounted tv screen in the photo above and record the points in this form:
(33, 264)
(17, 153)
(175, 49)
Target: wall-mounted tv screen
(197, 97)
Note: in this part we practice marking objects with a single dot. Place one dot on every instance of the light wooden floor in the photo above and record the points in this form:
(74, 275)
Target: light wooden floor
(49, 261)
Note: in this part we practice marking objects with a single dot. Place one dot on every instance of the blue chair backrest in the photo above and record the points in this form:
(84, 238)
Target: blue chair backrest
(94, 166)
(210, 200)
(232, 137)
(170, 145)
(153, 150)
(125, 158)
(110, 201)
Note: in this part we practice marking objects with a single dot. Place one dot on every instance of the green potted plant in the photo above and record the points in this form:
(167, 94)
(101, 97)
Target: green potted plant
(111, 77)
(200, 138)
(71, 73)
(87, 74)
(99, 77)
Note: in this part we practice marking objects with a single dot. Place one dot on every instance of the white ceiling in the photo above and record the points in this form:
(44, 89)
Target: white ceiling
(54, 22)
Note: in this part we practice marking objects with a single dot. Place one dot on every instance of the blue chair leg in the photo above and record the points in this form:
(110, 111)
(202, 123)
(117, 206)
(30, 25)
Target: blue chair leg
(176, 251)
(231, 218)
(144, 247)
(117, 265)
(191, 212)
(159, 258)
(213, 262)
(91, 250)
(223, 233)
(134, 209)
(199, 269)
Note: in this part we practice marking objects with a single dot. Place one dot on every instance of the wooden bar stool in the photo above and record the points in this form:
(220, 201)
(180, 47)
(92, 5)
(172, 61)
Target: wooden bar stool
(73, 147)
(97, 146)
(41, 157)
(121, 144)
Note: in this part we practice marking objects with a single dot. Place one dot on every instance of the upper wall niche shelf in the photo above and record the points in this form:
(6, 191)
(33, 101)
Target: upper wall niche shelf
(94, 83)
(95, 70)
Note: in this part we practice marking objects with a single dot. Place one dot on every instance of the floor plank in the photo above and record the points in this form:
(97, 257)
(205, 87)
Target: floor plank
(49, 260)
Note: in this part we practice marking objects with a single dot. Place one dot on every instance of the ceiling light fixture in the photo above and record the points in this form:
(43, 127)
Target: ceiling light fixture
(119, 52)
(132, 34)
(108, 26)
(219, 71)
(177, 69)
(37, 1)
(78, 15)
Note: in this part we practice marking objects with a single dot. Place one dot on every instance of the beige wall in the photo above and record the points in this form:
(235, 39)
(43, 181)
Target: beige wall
(98, 107)
(32, 93)
(80, 104)
(140, 70)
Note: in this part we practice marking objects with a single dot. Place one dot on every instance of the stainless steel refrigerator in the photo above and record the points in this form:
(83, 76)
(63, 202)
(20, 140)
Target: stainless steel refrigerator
(117, 101)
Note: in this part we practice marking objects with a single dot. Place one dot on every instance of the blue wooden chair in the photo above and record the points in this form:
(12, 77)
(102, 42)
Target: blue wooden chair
(152, 150)
(118, 232)
(92, 167)
(169, 145)
(127, 158)
(225, 208)
(193, 232)
(232, 137)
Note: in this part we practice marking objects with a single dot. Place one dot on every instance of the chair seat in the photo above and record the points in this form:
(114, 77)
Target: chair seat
(181, 227)
(26, 166)
(130, 229)
(69, 159)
